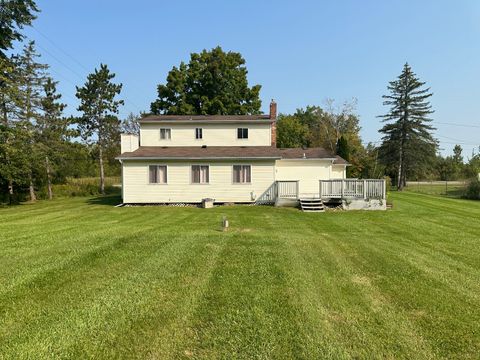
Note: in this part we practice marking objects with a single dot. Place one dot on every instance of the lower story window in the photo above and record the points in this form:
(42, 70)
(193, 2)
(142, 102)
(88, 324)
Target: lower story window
(157, 174)
(200, 174)
(242, 174)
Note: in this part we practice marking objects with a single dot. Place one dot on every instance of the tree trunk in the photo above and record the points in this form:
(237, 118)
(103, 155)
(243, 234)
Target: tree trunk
(49, 180)
(10, 192)
(102, 174)
(33, 197)
(400, 171)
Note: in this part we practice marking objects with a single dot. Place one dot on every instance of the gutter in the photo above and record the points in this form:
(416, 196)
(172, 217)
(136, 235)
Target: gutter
(197, 158)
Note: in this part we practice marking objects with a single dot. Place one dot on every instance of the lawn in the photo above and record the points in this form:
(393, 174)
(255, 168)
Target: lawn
(83, 279)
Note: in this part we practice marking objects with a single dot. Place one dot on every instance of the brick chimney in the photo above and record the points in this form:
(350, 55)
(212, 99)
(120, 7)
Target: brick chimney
(273, 124)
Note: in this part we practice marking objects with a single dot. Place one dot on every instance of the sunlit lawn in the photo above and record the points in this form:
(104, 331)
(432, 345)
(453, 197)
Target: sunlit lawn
(83, 279)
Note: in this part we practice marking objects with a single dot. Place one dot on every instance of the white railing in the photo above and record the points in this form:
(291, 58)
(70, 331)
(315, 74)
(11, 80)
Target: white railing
(287, 189)
(352, 188)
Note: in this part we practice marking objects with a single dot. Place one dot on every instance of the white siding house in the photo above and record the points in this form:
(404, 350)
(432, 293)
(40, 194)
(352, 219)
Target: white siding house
(184, 159)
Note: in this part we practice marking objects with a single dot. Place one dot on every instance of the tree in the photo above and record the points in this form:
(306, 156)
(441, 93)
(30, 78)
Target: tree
(52, 130)
(14, 15)
(291, 132)
(98, 123)
(30, 77)
(131, 124)
(457, 154)
(214, 82)
(407, 143)
(343, 150)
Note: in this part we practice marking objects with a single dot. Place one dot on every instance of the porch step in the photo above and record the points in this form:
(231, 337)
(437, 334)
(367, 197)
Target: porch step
(312, 205)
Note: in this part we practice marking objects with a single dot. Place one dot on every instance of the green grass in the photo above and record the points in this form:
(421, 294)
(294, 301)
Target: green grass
(454, 190)
(82, 279)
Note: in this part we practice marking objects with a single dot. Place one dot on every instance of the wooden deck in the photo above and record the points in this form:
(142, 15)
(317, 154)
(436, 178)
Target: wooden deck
(327, 190)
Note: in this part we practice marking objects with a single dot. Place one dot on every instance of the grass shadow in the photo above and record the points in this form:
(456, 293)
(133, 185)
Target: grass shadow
(107, 200)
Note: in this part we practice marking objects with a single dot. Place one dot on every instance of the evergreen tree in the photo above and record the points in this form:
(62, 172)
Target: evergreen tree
(98, 105)
(407, 143)
(14, 15)
(31, 77)
(214, 82)
(457, 154)
(52, 130)
(343, 149)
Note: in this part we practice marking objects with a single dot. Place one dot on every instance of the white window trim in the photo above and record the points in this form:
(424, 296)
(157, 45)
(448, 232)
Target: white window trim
(242, 138)
(242, 183)
(196, 133)
(160, 134)
(148, 174)
(191, 174)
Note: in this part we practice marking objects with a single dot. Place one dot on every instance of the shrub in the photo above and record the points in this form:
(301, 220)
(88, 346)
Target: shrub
(472, 191)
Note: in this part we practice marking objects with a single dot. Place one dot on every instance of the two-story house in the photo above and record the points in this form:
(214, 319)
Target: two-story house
(184, 159)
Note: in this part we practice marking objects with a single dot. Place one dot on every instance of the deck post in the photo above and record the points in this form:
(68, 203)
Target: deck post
(384, 184)
(320, 188)
(297, 188)
(364, 189)
(342, 187)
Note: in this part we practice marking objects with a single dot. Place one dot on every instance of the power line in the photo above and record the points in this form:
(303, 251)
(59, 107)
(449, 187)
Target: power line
(454, 124)
(76, 61)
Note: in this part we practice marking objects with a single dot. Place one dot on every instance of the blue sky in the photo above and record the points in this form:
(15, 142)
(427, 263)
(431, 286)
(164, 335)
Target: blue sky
(301, 52)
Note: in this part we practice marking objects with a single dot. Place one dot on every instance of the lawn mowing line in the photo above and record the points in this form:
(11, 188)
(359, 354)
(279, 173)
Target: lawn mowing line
(247, 274)
(460, 206)
(93, 299)
(444, 263)
(427, 296)
(396, 321)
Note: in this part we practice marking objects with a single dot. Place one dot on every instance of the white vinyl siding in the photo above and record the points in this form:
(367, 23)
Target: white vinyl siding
(242, 174)
(165, 134)
(200, 174)
(212, 135)
(181, 189)
(157, 174)
(309, 172)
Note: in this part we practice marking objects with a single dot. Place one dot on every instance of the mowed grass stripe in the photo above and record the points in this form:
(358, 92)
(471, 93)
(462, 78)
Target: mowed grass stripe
(84, 279)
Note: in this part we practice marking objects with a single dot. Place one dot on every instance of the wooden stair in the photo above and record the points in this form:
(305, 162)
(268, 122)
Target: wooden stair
(312, 205)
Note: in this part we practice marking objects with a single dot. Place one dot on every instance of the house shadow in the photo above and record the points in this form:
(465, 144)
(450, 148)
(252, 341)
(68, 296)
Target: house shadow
(107, 200)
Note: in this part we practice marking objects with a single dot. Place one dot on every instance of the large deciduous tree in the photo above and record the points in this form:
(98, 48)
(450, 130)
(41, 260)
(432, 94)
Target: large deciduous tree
(291, 132)
(14, 15)
(212, 83)
(98, 123)
(407, 143)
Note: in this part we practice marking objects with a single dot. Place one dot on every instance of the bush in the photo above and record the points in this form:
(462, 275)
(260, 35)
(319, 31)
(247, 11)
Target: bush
(472, 190)
(85, 187)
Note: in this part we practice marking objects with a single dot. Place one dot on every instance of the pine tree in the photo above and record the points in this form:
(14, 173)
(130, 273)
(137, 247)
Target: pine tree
(343, 150)
(14, 15)
(31, 77)
(407, 143)
(97, 102)
(52, 130)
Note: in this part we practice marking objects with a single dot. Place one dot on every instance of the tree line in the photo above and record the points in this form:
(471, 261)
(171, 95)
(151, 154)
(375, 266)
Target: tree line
(40, 146)
(408, 149)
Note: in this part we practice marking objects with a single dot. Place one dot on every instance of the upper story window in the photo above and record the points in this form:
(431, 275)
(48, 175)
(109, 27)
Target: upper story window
(242, 133)
(200, 174)
(165, 134)
(157, 174)
(242, 174)
(198, 133)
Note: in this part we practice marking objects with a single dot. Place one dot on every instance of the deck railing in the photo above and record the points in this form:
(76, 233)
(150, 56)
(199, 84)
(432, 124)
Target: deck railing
(352, 188)
(287, 189)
